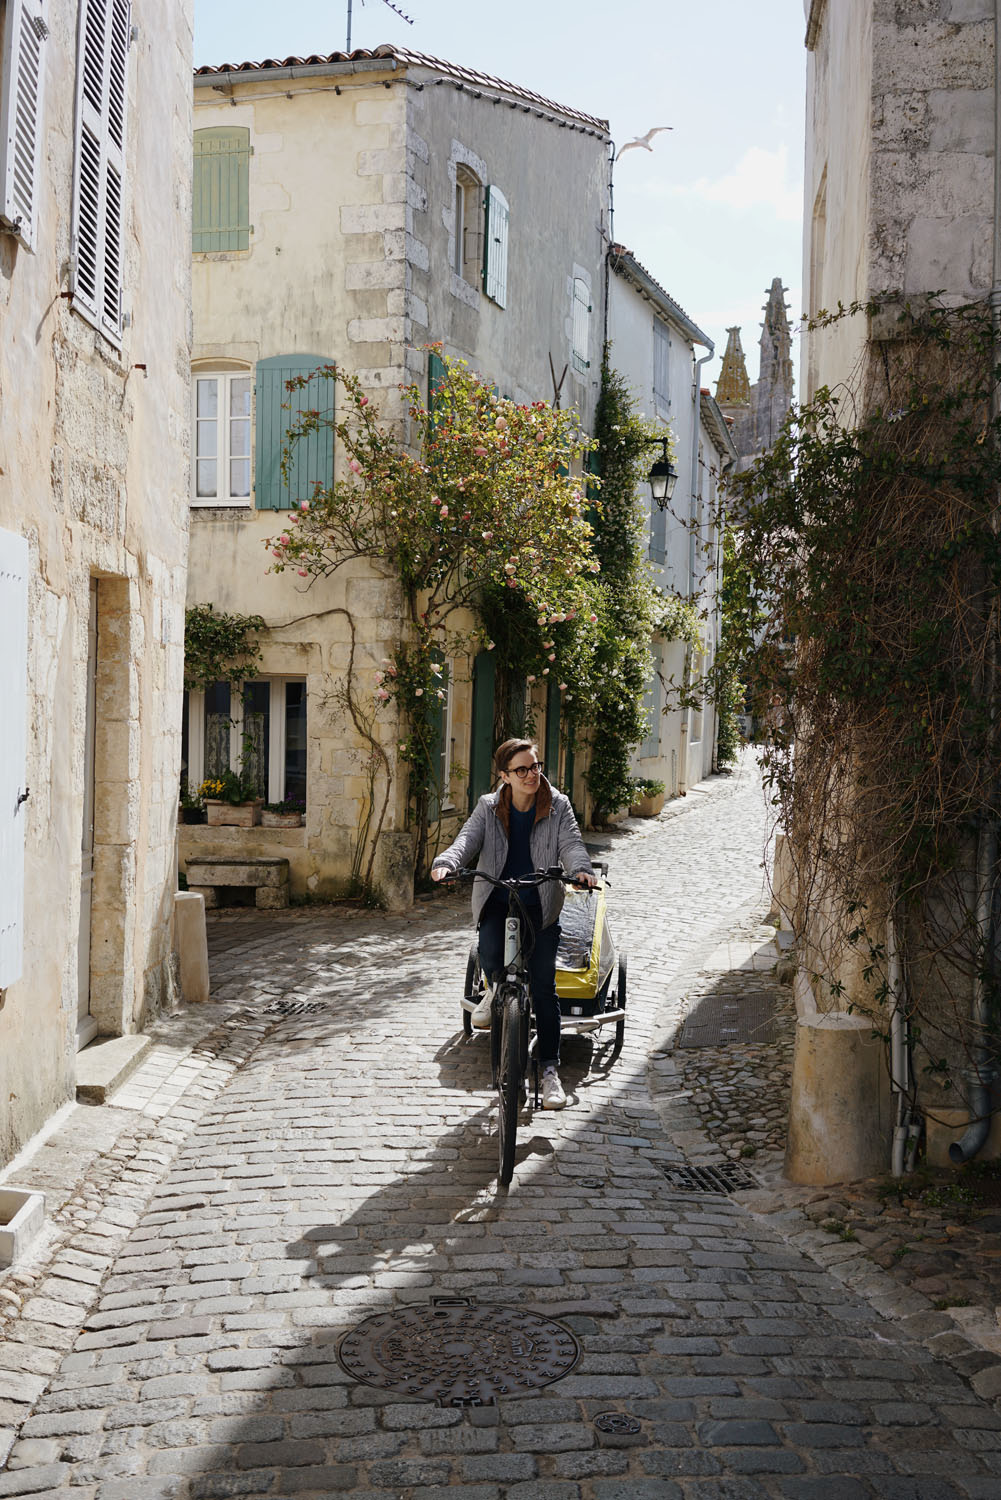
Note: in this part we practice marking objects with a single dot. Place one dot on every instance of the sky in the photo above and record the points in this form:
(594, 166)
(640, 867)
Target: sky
(714, 211)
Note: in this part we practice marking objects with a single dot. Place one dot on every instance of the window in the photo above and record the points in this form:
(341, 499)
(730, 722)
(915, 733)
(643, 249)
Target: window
(581, 325)
(496, 216)
(658, 534)
(99, 164)
(221, 420)
(661, 364)
(221, 190)
(278, 409)
(22, 78)
(467, 249)
(261, 725)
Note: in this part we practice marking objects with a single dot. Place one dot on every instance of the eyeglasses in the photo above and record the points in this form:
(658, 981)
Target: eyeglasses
(535, 769)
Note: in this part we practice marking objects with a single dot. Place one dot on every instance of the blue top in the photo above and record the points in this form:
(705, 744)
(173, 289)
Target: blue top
(519, 852)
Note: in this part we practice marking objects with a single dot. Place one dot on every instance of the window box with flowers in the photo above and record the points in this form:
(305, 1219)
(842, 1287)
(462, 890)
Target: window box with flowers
(230, 800)
(288, 813)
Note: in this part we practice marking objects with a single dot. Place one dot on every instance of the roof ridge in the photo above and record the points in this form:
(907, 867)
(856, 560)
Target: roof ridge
(407, 56)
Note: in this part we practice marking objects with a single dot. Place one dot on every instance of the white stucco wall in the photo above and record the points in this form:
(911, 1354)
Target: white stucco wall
(94, 475)
(686, 739)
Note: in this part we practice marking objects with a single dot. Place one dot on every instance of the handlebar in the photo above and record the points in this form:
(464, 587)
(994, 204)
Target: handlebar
(513, 882)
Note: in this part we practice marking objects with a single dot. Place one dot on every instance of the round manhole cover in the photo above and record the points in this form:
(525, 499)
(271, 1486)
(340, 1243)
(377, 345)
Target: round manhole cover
(457, 1353)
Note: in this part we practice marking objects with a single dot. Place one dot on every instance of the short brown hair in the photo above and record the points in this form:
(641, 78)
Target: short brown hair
(505, 754)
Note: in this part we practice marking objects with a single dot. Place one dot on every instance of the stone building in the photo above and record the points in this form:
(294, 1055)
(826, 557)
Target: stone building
(653, 345)
(901, 199)
(94, 304)
(353, 209)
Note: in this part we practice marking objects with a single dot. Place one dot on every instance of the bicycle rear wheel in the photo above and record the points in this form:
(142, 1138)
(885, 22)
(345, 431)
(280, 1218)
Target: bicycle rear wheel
(509, 1075)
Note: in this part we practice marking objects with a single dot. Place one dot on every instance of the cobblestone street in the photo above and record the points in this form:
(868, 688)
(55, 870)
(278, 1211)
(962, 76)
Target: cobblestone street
(317, 1145)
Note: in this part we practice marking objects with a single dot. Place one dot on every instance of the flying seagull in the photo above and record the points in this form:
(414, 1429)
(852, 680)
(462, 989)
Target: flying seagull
(643, 140)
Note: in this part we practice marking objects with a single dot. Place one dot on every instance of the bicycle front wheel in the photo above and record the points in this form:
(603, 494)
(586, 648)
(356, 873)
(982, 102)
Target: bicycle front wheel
(509, 1076)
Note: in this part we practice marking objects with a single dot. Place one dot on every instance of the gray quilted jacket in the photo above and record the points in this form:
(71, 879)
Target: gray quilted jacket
(555, 840)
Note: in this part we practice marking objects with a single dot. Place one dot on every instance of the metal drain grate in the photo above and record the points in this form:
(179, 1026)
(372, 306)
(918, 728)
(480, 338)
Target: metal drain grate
(719, 1020)
(719, 1177)
(457, 1353)
(295, 1007)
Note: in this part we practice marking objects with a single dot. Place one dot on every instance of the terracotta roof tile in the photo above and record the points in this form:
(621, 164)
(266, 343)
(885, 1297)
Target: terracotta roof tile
(450, 71)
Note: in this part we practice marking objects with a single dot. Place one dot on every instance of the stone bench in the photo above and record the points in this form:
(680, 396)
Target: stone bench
(217, 876)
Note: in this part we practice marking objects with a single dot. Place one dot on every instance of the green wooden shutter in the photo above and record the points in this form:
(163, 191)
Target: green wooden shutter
(580, 325)
(481, 742)
(437, 375)
(221, 190)
(277, 410)
(552, 746)
(496, 219)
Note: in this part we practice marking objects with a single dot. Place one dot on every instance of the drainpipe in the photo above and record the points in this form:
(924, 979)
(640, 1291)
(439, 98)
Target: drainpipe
(694, 489)
(981, 1073)
(900, 1070)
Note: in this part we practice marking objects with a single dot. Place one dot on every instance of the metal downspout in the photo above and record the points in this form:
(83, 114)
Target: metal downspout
(981, 1073)
(900, 1069)
(696, 394)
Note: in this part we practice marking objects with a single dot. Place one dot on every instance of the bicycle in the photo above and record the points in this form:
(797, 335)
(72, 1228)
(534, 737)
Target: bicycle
(511, 1042)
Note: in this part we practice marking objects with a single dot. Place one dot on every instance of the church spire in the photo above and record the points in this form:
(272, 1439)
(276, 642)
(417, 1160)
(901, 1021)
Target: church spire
(773, 392)
(733, 388)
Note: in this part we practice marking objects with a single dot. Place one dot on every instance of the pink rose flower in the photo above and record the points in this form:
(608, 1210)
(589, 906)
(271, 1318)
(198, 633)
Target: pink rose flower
(354, 466)
(444, 511)
(304, 505)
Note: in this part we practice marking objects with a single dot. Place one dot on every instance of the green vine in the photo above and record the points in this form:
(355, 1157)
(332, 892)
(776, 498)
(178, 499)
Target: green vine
(865, 595)
(219, 647)
(611, 674)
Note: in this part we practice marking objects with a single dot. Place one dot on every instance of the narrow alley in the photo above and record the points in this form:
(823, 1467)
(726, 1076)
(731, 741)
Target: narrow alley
(323, 1152)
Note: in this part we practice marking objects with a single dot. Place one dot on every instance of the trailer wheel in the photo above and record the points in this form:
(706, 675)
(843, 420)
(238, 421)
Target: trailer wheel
(620, 1003)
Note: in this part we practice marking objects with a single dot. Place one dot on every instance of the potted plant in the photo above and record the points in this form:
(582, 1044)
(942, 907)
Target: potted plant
(231, 799)
(649, 799)
(285, 814)
(191, 808)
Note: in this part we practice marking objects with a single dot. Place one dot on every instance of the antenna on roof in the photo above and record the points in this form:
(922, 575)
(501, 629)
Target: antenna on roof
(394, 8)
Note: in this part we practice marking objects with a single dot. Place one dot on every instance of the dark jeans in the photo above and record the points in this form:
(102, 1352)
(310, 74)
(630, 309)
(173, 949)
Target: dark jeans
(541, 970)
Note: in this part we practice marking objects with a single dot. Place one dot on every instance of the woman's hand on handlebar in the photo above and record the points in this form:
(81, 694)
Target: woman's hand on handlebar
(584, 880)
(440, 872)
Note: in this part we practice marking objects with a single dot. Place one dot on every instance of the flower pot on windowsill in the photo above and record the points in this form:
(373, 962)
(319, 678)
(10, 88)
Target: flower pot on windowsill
(233, 814)
(647, 807)
(281, 820)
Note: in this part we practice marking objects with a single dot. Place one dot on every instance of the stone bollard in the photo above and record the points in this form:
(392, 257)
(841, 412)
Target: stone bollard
(192, 946)
(840, 1108)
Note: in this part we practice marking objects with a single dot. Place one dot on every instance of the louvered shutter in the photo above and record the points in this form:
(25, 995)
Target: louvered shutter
(277, 410)
(22, 80)
(496, 217)
(581, 326)
(99, 172)
(13, 696)
(221, 189)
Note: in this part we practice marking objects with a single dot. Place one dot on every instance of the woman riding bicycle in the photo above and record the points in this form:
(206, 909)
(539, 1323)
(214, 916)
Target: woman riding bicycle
(525, 825)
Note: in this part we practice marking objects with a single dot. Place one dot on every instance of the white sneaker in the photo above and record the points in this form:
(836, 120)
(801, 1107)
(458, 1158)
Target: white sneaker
(553, 1096)
(481, 1015)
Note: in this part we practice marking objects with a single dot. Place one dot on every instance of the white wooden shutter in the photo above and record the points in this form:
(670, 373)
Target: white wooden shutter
(13, 696)
(496, 216)
(22, 78)
(99, 169)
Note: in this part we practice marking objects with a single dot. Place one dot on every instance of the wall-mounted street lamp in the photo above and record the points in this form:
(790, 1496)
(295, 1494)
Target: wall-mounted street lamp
(662, 477)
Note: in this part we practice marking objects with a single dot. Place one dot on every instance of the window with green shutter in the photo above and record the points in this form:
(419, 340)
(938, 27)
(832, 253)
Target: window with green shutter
(278, 409)
(221, 189)
(495, 224)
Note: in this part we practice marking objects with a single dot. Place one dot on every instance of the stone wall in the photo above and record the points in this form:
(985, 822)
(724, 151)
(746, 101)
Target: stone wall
(95, 442)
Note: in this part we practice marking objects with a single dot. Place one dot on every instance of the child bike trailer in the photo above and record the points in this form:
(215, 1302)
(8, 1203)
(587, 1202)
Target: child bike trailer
(590, 974)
